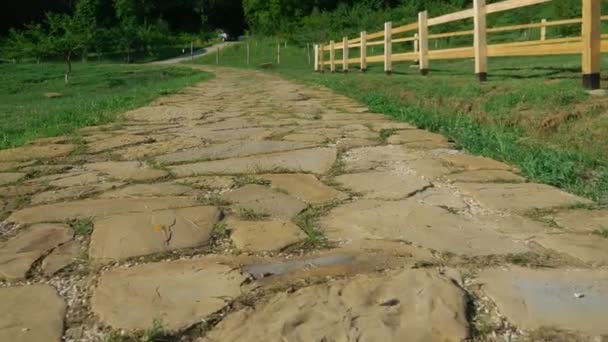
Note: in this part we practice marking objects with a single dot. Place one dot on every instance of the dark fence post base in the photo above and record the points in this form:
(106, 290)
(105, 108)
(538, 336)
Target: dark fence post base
(591, 81)
(424, 72)
(483, 76)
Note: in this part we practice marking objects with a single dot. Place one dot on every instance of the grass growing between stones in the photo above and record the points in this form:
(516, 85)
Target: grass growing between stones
(35, 102)
(602, 232)
(252, 215)
(308, 221)
(82, 227)
(243, 180)
(532, 112)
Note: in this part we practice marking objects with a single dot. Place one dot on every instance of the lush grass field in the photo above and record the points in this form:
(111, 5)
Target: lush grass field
(532, 113)
(96, 94)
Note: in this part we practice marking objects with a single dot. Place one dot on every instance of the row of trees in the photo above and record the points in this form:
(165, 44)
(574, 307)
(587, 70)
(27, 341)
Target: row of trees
(110, 28)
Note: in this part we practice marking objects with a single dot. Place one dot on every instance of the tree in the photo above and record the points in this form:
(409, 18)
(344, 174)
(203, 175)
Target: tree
(65, 38)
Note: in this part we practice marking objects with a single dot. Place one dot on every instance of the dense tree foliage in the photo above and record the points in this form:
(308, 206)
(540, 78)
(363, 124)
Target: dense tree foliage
(68, 28)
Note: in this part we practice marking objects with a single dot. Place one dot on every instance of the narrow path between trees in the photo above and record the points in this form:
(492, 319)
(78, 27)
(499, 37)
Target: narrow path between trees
(250, 208)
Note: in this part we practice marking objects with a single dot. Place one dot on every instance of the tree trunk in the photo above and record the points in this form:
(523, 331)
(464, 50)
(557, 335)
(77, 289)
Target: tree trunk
(68, 61)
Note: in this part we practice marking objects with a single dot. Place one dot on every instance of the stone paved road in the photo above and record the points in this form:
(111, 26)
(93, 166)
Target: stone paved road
(250, 208)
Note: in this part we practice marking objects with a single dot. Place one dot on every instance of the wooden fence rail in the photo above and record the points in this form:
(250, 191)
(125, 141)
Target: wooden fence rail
(589, 45)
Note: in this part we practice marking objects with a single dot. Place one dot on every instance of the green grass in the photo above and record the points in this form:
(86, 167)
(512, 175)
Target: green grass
(532, 112)
(96, 94)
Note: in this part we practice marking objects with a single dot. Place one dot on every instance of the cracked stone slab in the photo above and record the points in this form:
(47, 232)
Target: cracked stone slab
(304, 187)
(179, 293)
(383, 185)
(588, 248)
(61, 257)
(30, 152)
(261, 236)
(441, 197)
(231, 150)
(568, 299)
(520, 197)
(74, 192)
(423, 225)
(128, 235)
(127, 170)
(307, 138)
(149, 190)
(10, 177)
(22, 318)
(479, 176)
(350, 143)
(260, 271)
(582, 220)
(262, 199)
(399, 306)
(249, 134)
(317, 161)
(208, 182)
(19, 253)
(90, 208)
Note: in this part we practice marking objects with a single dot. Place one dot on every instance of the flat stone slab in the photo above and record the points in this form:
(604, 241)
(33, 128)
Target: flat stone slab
(19, 253)
(264, 200)
(304, 187)
(588, 248)
(582, 220)
(61, 257)
(178, 293)
(474, 163)
(231, 150)
(519, 197)
(479, 176)
(60, 212)
(383, 185)
(566, 299)
(128, 170)
(31, 152)
(10, 177)
(260, 236)
(423, 225)
(417, 136)
(113, 142)
(208, 182)
(317, 160)
(368, 158)
(148, 190)
(349, 143)
(139, 152)
(78, 179)
(233, 134)
(31, 313)
(307, 137)
(128, 235)
(260, 271)
(74, 192)
(401, 306)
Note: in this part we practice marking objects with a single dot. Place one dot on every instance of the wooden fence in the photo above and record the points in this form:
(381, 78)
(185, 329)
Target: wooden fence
(590, 44)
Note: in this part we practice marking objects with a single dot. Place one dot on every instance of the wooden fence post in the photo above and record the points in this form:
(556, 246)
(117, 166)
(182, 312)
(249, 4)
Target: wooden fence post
(279, 53)
(543, 30)
(217, 56)
(316, 47)
(591, 33)
(191, 50)
(332, 56)
(480, 43)
(345, 54)
(322, 58)
(363, 51)
(416, 46)
(388, 47)
(247, 53)
(423, 44)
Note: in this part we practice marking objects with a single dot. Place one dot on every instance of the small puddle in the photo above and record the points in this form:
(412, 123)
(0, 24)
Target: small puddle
(261, 271)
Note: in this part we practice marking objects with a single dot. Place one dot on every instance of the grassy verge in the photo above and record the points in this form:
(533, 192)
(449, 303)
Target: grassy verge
(532, 113)
(96, 94)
